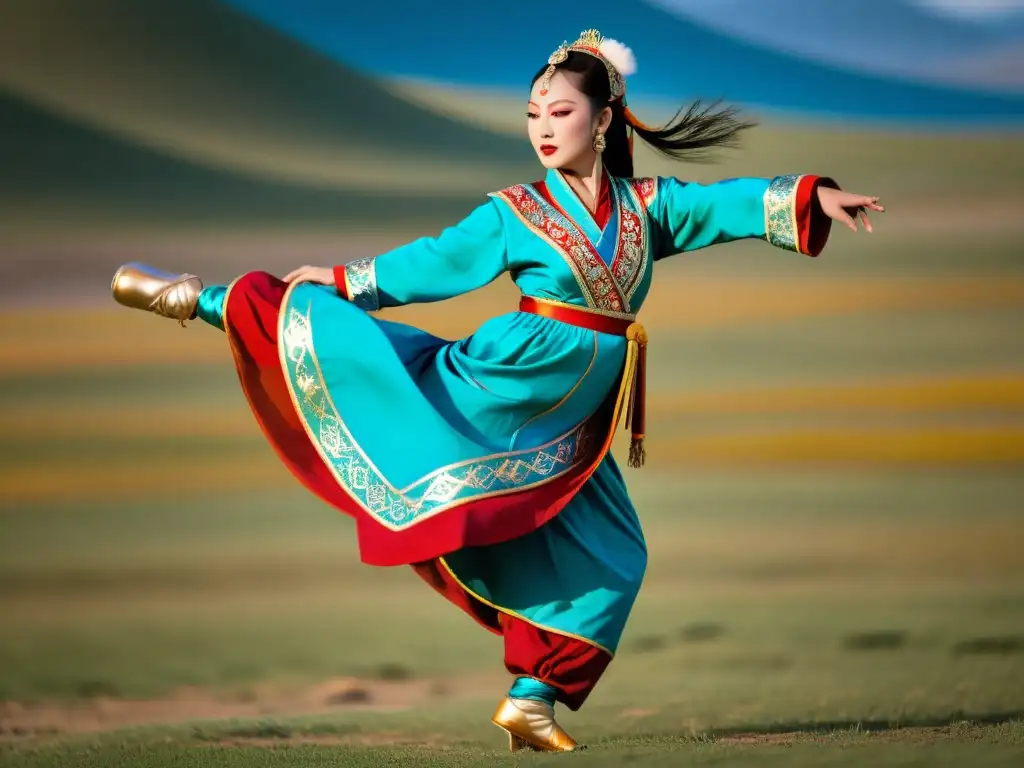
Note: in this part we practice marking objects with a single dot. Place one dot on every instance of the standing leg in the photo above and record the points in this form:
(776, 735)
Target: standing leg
(572, 667)
(549, 668)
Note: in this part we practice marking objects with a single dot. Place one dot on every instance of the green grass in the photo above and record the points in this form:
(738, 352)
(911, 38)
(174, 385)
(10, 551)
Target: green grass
(799, 614)
(227, 593)
(288, 744)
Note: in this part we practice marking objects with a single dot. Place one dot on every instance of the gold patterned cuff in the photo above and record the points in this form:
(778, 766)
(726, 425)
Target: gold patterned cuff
(361, 284)
(780, 213)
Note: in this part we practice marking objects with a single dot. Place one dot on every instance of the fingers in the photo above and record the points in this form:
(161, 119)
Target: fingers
(864, 201)
(310, 275)
(295, 274)
(866, 220)
(866, 204)
(848, 208)
(872, 203)
(843, 216)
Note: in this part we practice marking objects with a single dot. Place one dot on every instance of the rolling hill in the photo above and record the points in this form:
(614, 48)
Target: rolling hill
(202, 82)
(191, 113)
(58, 173)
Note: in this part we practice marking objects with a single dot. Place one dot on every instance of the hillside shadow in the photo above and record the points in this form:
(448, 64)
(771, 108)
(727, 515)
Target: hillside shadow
(198, 67)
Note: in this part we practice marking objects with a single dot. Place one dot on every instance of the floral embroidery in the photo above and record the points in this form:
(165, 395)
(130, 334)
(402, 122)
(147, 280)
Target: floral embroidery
(361, 276)
(630, 251)
(780, 212)
(645, 190)
(394, 508)
(594, 278)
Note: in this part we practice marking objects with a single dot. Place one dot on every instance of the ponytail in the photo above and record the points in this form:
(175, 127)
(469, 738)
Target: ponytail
(690, 137)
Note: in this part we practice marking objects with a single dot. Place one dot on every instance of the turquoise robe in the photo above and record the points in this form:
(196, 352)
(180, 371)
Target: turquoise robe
(415, 429)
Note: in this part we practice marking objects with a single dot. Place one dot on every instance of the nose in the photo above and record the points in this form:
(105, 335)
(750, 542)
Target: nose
(545, 127)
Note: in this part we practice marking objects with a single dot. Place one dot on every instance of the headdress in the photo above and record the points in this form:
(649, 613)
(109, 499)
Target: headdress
(616, 57)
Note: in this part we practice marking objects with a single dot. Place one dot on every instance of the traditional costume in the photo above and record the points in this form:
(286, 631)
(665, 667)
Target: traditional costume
(483, 463)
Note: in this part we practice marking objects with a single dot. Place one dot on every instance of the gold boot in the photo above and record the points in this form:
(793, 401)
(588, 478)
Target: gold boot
(167, 294)
(531, 725)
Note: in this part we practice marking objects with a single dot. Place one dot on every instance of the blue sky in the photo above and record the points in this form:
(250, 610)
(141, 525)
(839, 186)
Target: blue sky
(680, 57)
(944, 42)
(977, 9)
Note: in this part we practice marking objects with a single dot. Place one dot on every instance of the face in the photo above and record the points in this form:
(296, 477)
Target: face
(562, 124)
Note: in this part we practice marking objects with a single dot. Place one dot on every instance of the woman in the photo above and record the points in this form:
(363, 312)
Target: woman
(483, 463)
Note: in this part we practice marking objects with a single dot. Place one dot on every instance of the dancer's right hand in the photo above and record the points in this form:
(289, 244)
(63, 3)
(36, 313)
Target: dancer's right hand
(322, 275)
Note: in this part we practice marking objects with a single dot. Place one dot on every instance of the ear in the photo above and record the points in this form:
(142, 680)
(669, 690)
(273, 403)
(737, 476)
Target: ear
(604, 120)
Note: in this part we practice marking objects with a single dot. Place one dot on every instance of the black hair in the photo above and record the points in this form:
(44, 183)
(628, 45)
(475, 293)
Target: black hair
(689, 135)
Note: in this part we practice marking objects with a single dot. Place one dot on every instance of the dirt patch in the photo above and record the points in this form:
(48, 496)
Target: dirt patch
(21, 721)
(384, 739)
(636, 714)
(760, 739)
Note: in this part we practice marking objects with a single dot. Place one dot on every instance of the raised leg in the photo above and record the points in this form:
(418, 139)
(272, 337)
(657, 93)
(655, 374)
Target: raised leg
(167, 294)
(210, 305)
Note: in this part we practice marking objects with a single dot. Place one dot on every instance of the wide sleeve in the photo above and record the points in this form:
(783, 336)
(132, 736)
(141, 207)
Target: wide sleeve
(783, 211)
(464, 257)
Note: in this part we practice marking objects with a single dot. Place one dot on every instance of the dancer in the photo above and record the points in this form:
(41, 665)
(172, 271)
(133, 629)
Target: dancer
(484, 463)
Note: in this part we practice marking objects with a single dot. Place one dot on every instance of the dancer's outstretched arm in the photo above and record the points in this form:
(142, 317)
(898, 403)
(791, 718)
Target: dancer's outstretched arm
(464, 257)
(790, 212)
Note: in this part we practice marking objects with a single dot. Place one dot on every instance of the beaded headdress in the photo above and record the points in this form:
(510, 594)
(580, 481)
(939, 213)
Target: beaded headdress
(616, 57)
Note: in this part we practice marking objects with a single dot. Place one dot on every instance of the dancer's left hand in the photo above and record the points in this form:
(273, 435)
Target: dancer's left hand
(845, 207)
(322, 275)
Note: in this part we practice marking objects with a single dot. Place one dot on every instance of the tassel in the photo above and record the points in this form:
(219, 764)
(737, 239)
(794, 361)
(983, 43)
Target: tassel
(636, 420)
(637, 454)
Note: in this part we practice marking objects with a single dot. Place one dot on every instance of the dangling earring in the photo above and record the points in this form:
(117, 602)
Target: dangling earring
(599, 143)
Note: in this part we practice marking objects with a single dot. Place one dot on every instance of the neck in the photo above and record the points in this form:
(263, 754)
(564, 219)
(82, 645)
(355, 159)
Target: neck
(586, 177)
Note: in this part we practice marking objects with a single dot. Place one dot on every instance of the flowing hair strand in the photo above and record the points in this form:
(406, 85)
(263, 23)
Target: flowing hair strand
(694, 131)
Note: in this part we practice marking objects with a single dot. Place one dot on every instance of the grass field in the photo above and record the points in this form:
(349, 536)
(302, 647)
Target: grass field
(834, 504)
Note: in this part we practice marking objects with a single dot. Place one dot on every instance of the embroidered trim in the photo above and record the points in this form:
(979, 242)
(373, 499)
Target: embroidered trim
(631, 250)
(442, 489)
(592, 274)
(646, 190)
(780, 225)
(361, 284)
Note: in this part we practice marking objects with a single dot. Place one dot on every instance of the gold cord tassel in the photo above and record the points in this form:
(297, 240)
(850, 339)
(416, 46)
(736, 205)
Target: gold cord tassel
(636, 420)
(637, 454)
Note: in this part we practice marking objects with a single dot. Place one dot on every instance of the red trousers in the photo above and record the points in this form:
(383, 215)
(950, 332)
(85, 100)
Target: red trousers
(571, 666)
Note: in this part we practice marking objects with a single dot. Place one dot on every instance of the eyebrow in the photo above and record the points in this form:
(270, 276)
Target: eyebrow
(567, 101)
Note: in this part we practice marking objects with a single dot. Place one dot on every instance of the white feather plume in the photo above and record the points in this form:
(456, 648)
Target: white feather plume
(620, 56)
